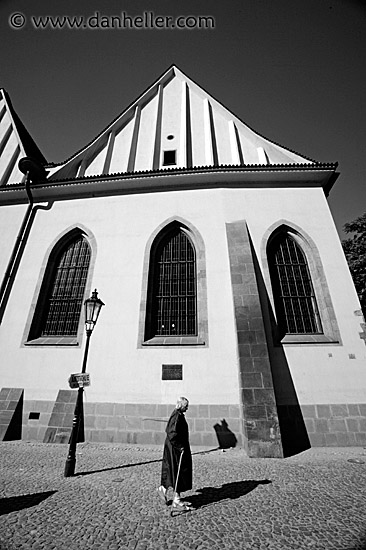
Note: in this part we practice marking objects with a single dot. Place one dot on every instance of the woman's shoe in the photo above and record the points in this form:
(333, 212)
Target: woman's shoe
(180, 506)
(162, 494)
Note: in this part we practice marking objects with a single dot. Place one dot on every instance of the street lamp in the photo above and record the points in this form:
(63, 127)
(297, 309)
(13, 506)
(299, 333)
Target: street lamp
(92, 307)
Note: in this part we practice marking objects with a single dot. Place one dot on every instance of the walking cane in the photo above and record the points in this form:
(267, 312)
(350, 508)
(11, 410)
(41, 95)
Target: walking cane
(176, 480)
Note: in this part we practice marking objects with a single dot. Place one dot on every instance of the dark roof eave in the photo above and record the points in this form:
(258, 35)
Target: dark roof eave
(331, 181)
(315, 166)
(319, 175)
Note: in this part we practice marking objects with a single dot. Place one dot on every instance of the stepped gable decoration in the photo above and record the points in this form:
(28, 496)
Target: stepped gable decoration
(15, 143)
(174, 125)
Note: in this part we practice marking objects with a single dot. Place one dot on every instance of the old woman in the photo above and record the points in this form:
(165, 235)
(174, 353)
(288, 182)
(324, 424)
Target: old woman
(177, 456)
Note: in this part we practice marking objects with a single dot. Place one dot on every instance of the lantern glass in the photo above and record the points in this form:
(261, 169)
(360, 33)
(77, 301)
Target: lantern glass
(92, 305)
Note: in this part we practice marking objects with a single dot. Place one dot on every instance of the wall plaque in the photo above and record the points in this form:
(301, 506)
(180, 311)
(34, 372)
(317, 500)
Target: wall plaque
(172, 372)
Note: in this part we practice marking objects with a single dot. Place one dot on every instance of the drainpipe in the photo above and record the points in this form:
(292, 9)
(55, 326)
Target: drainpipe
(34, 172)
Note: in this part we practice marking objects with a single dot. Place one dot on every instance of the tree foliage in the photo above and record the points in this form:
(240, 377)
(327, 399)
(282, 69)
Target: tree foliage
(355, 251)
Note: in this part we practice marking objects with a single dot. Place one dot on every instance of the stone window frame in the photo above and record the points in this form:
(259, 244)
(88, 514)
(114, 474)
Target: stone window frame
(201, 339)
(68, 234)
(331, 332)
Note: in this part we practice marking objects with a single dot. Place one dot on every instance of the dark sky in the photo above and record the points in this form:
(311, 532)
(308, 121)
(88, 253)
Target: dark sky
(293, 70)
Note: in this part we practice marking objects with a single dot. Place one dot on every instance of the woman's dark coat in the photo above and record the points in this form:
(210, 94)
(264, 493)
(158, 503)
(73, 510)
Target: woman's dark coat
(177, 439)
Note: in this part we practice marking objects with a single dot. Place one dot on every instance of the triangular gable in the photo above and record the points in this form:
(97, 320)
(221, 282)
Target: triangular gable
(15, 143)
(174, 124)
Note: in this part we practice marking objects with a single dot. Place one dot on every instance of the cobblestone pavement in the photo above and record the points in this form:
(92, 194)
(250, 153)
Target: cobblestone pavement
(313, 500)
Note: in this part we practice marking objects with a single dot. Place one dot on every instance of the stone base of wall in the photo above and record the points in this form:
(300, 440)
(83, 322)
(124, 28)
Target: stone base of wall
(11, 406)
(210, 425)
(34, 429)
(335, 425)
(60, 422)
(322, 426)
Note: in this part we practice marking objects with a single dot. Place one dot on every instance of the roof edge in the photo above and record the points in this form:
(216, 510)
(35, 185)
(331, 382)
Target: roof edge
(315, 166)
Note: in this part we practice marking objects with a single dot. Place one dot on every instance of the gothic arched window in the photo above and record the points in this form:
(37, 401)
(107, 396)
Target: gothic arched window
(293, 292)
(62, 293)
(172, 303)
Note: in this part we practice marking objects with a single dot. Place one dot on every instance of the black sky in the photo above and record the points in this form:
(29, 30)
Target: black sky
(293, 70)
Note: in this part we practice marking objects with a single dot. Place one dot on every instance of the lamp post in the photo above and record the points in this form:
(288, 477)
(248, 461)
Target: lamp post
(92, 307)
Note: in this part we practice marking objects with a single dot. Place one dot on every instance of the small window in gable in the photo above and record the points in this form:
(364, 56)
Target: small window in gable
(169, 158)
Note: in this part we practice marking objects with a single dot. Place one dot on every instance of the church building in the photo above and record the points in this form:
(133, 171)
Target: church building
(222, 274)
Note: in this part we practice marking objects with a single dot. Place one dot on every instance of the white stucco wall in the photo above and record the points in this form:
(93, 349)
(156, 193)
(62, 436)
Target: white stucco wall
(123, 372)
(321, 373)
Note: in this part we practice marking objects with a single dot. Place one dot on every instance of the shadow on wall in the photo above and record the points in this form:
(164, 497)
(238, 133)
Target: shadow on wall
(292, 426)
(225, 437)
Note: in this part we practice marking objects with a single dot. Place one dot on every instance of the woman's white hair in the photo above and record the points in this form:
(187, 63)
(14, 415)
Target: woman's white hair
(181, 402)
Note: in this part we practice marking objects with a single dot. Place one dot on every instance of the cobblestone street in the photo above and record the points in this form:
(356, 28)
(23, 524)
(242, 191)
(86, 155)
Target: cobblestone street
(312, 500)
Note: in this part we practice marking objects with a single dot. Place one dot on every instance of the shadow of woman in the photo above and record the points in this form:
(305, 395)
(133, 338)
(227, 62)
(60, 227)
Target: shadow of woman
(228, 491)
(225, 436)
